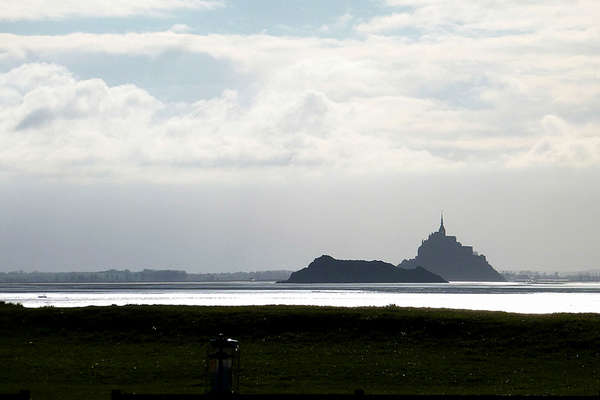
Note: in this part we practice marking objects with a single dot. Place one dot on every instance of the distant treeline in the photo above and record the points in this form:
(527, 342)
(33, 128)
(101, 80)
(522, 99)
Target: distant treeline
(583, 276)
(169, 275)
(147, 275)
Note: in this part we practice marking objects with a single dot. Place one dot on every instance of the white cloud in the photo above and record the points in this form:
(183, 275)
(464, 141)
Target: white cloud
(341, 22)
(15, 10)
(443, 17)
(386, 23)
(377, 103)
(562, 144)
(54, 124)
(82, 129)
(180, 28)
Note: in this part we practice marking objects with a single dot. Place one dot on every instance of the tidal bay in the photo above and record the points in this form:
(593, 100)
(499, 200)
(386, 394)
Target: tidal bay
(520, 297)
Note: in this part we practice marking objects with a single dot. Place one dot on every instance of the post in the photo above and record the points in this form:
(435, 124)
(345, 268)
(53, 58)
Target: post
(223, 364)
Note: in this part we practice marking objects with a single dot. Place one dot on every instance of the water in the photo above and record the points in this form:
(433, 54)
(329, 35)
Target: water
(511, 297)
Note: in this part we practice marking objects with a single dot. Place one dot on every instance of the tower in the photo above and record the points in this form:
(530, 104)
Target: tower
(442, 230)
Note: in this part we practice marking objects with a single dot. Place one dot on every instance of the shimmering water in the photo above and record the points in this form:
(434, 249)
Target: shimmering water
(512, 297)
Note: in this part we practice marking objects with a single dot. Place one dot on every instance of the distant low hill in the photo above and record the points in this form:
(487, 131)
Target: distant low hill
(275, 275)
(146, 275)
(327, 269)
(537, 276)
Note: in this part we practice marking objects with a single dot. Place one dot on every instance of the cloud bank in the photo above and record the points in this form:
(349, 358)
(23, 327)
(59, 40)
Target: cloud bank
(430, 86)
(13, 10)
(486, 17)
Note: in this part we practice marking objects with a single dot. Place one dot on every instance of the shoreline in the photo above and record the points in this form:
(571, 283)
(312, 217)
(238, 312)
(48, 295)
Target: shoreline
(509, 297)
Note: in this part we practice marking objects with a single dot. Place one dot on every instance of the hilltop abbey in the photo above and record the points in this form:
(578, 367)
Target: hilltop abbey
(440, 258)
(447, 257)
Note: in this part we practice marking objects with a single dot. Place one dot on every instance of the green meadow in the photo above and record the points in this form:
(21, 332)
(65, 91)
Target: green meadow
(79, 353)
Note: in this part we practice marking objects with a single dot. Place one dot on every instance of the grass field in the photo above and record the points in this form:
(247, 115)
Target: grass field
(85, 352)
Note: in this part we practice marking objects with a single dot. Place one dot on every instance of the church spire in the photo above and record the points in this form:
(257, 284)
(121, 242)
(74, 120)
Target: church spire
(442, 230)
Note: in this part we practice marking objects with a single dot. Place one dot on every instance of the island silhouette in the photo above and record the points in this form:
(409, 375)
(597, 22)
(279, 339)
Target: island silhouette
(444, 255)
(326, 269)
(440, 258)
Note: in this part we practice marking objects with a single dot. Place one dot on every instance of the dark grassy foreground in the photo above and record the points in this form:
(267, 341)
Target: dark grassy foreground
(83, 353)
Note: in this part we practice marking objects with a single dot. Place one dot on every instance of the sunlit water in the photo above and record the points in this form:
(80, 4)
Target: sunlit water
(512, 297)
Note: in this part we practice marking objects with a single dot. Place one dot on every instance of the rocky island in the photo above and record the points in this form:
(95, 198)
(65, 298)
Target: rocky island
(327, 269)
(444, 255)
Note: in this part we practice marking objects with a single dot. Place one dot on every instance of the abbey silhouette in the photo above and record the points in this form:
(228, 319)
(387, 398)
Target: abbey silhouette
(445, 256)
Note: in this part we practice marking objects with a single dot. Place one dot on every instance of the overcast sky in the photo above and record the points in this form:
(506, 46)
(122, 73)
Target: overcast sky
(232, 135)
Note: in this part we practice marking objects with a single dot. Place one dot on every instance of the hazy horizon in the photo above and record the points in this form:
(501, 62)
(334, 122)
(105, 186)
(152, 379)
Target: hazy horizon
(225, 136)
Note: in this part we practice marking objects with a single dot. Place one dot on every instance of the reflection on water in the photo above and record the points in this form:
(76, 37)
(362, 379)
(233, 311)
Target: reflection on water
(512, 297)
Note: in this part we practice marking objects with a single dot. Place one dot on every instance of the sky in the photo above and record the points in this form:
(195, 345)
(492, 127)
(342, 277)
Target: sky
(233, 135)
